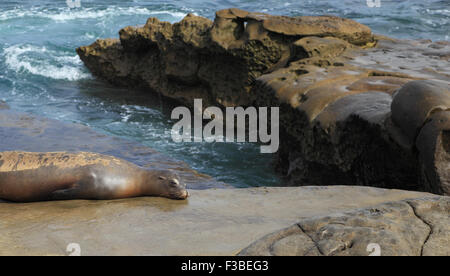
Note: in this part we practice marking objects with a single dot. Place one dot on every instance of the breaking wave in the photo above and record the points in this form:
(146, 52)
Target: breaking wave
(39, 60)
(66, 14)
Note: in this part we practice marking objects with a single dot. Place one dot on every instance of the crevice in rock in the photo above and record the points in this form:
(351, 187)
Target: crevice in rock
(376, 73)
(428, 120)
(315, 243)
(446, 140)
(425, 222)
(341, 248)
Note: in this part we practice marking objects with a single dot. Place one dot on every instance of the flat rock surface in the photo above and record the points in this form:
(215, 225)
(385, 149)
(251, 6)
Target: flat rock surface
(210, 222)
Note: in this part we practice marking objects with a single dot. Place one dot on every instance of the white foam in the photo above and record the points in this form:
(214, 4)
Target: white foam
(438, 12)
(65, 14)
(68, 67)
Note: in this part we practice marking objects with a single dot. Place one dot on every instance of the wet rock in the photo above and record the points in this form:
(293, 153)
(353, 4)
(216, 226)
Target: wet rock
(405, 57)
(404, 228)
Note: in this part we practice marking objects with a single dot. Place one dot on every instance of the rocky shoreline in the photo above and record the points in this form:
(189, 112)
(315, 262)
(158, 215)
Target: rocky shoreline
(26, 132)
(216, 221)
(356, 108)
(232, 221)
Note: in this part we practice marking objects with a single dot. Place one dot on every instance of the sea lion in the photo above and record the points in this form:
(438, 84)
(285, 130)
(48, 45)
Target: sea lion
(29, 177)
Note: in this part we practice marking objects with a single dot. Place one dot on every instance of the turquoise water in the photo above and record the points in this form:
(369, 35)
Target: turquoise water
(41, 74)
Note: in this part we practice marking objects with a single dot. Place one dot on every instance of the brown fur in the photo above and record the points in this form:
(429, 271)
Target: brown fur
(26, 177)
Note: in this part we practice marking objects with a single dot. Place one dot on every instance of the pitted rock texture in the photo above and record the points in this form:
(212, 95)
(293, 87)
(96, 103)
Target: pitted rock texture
(404, 228)
(319, 26)
(216, 61)
(355, 108)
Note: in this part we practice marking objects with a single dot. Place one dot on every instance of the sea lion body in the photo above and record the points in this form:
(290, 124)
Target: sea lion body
(27, 177)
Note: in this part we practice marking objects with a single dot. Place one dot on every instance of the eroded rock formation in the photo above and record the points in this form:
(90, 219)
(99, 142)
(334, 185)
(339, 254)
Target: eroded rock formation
(217, 61)
(355, 108)
(418, 227)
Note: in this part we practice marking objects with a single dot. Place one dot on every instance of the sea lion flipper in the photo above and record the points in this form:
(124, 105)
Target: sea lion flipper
(66, 194)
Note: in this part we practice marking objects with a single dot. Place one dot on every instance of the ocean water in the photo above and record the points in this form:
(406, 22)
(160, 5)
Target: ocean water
(40, 72)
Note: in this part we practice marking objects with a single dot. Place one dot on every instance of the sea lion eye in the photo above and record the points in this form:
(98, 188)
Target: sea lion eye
(174, 182)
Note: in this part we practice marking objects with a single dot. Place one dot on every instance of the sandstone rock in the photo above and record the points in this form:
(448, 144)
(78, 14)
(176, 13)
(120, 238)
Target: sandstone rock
(328, 47)
(319, 26)
(415, 102)
(388, 84)
(433, 145)
(332, 79)
(367, 148)
(404, 228)
(290, 241)
(371, 107)
(136, 39)
(232, 13)
(216, 61)
(435, 214)
(405, 57)
(227, 32)
(347, 138)
(210, 222)
(106, 59)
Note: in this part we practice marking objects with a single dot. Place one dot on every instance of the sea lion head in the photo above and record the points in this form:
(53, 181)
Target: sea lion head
(169, 184)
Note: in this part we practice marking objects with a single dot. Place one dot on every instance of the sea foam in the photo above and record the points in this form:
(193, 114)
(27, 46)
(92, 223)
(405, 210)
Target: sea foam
(65, 14)
(56, 65)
